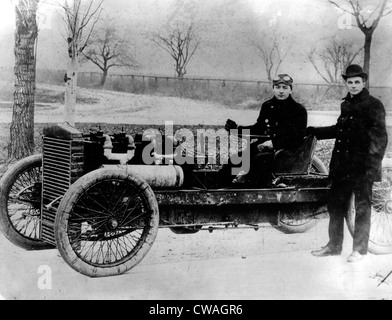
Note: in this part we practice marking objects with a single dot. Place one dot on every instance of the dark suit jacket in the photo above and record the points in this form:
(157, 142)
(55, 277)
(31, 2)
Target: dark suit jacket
(284, 121)
(361, 139)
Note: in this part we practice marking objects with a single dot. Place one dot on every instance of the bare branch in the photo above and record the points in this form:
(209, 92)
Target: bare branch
(181, 42)
(273, 50)
(78, 22)
(378, 19)
(107, 50)
(313, 62)
(374, 11)
(339, 6)
(356, 11)
(336, 56)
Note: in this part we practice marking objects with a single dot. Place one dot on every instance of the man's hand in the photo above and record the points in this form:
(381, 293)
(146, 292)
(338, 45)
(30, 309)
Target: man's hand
(266, 145)
(230, 125)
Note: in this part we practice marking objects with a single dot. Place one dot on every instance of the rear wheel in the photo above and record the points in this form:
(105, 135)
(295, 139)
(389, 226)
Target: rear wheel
(317, 166)
(106, 223)
(20, 204)
(380, 239)
(302, 219)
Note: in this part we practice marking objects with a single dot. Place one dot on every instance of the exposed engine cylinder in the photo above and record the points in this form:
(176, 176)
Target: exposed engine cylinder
(155, 176)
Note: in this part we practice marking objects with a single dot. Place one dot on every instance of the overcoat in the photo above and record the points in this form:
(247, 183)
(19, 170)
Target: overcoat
(361, 139)
(284, 121)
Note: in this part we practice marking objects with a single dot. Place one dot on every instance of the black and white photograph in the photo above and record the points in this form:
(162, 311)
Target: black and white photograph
(174, 151)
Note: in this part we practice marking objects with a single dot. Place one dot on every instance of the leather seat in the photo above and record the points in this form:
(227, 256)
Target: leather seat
(296, 161)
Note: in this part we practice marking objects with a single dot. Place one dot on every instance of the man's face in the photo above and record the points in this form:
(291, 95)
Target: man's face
(282, 91)
(355, 85)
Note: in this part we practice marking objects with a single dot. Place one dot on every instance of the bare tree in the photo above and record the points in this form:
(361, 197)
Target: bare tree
(80, 21)
(181, 41)
(107, 49)
(366, 20)
(333, 59)
(273, 49)
(22, 126)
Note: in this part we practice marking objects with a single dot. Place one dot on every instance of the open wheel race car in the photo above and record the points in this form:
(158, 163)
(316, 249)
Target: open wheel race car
(92, 197)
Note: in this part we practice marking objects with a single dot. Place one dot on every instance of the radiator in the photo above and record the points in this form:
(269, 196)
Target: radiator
(63, 160)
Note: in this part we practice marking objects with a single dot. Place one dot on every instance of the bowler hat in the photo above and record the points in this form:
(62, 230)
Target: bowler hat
(355, 71)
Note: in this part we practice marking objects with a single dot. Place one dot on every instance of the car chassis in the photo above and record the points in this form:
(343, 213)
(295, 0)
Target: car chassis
(92, 197)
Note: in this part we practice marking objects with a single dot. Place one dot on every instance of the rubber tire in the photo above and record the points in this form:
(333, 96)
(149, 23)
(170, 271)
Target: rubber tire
(70, 199)
(374, 247)
(318, 167)
(293, 229)
(6, 183)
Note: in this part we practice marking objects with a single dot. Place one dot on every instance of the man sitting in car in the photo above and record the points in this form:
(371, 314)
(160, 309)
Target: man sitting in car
(281, 125)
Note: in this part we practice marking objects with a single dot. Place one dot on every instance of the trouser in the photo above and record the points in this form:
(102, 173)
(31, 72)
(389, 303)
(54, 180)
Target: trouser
(338, 206)
(261, 166)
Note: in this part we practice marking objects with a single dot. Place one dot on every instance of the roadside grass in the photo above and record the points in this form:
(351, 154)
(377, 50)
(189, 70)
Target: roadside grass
(44, 94)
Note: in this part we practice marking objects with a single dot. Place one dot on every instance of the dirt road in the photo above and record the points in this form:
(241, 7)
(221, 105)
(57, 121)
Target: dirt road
(120, 107)
(231, 264)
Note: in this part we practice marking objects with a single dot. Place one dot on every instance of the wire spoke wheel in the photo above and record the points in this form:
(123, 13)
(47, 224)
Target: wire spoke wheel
(20, 203)
(380, 238)
(296, 219)
(24, 203)
(106, 223)
(300, 219)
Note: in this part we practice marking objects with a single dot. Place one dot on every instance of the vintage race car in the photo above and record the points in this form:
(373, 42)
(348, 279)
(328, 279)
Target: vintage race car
(93, 198)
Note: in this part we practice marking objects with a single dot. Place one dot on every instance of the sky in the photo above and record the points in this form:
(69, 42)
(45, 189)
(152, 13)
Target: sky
(227, 27)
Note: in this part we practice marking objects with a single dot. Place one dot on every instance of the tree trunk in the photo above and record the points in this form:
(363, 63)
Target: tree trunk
(72, 66)
(70, 90)
(103, 78)
(22, 127)
(366, 63)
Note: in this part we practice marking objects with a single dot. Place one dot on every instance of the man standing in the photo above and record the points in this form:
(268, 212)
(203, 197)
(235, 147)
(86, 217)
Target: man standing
(361, 141)
(281, 125)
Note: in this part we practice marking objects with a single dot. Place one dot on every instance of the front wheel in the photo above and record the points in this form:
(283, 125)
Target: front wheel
(106, 223)
(380, 239)
(300, 220)
(20, 204)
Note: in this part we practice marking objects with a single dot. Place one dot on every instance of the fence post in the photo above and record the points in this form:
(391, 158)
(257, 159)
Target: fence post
(316, 94)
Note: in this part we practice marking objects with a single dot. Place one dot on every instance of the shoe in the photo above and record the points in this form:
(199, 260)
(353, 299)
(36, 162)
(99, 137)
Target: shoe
(326, 252)
(282, 186)
(355, 256)
(276, 183)
(241, 178)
